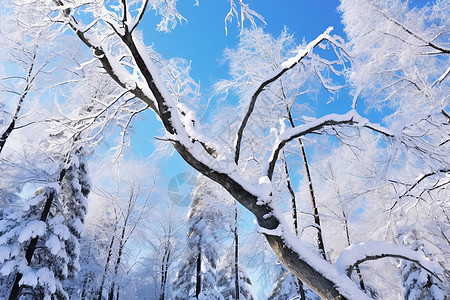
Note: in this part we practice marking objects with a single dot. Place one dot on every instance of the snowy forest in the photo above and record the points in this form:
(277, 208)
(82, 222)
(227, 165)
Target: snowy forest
(316, 168)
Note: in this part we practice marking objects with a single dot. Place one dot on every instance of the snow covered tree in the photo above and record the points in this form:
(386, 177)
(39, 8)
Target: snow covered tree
(123, 205)
(399, 58)
(287, 287)
(417, 282)
(40, 243)
(197, 275)
(226, 277)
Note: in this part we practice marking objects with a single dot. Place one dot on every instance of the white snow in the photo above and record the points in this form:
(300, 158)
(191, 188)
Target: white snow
(46, 277)
(303, 52)
(5, 253)
(53, 244)
(356, 252)
(29, 278)
(32, 229)
(8, 268)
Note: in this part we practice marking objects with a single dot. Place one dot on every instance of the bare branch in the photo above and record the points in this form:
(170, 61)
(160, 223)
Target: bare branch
(428, 43)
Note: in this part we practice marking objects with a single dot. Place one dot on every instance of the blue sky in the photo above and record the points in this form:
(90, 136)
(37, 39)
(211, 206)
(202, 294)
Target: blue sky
(202, 39)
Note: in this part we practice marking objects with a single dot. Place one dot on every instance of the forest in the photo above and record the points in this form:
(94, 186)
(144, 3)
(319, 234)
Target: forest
(315, 165)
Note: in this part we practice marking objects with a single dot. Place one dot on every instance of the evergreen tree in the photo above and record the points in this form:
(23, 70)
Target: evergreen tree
(226, 279)
(197, 269)
(418, 283)
(39, 245)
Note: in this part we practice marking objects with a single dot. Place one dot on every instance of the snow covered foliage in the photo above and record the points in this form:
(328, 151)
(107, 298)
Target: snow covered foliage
(40, 243)
(377, 185)
(418, 283)
(287, 287)
(197, 270)
(42, 269)
(226, 277)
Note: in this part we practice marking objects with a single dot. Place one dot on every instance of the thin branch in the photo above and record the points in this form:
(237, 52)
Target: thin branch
(140, 16)
(376, 257)
(428, 43)
(289, 64)
(351, 117)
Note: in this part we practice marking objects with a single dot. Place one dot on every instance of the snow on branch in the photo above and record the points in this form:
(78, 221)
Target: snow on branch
(246, 13)
(356, 254)
(303, 52)
(440, 79)
(313, 125)
(287, 65)
(410, 32)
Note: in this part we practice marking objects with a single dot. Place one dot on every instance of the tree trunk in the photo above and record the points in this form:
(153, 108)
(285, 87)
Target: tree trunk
(314, 273)
(122, 243)
(116, 265)
(300, 267)
(236, 254)
(108, 258)
(11, 125)
(165, 269)
(315, 210)
(198, 282)
(301, 290)
(358, 271)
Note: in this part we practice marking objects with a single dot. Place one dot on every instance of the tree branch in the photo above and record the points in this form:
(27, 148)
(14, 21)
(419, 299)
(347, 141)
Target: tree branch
(289, 64)
(351, 117)
(356, 254)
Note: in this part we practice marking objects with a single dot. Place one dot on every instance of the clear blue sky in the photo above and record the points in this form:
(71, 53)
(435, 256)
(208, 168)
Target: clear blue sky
(202, 41)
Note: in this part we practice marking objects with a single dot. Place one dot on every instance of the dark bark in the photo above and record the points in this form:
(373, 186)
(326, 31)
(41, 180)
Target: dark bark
(198, 281)
(358, 271)
(301, 290)
(263, 213)
(165, 267)
(117, 263)
(236, 254)
(12, 124)
(312, 197)
(324, 287)
(108, 259)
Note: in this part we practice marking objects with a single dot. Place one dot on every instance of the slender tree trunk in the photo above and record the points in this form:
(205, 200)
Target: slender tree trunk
(108, 258)
(84, 288)
(11, 125)
(198, 283)
(315, 210)
(301, 290)
(236, 253)
(16, 289)
(165, 269)
(116, 266)
(122, 243)
(163, 280)
(358, 270)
